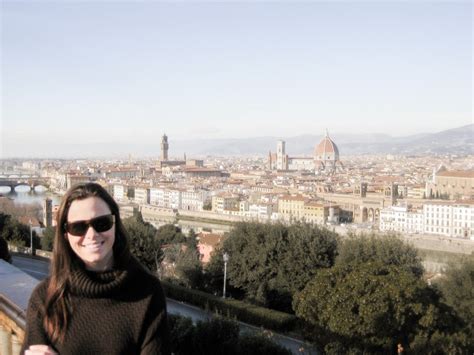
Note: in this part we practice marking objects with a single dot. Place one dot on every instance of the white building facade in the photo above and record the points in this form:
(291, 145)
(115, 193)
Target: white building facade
(194, 200)
(401, 219)
(449, 219)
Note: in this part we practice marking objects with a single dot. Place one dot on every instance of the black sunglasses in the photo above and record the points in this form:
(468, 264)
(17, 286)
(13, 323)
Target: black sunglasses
(100, 224)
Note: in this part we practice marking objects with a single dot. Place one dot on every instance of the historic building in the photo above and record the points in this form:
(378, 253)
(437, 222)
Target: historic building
(326, 156)
(456, 184)
(164, 161)
(445, 218)
(164, 148)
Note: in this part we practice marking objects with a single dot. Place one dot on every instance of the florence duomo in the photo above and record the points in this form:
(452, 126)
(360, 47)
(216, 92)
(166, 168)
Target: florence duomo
(325, 159)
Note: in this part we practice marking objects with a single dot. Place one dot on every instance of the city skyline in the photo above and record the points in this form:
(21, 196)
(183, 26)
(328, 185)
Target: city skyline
(100, 72)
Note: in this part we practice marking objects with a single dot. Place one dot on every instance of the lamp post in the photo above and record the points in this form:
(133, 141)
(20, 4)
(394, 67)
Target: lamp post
(31, 238)
(226, 259)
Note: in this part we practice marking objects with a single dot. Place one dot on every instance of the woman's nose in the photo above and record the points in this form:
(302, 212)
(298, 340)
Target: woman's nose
(91, 233)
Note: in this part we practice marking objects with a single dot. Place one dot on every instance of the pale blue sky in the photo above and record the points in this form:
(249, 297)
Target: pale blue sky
(100, 71)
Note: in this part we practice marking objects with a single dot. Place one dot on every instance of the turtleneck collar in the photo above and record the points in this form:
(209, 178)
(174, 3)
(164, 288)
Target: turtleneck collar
(97, 284)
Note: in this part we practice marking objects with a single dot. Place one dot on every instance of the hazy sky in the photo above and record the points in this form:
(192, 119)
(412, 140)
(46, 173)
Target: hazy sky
(100, 71)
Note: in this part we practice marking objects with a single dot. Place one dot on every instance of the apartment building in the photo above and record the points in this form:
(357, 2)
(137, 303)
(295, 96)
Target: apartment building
(261, 211)
(142, 195)
(225, 202)
(291, 208)
(73, 179)
(401, 219)
(449, 219)
(167, 198)
(122, 173)
(194, 200)
(119, 192)
(455, 219)
(416, 191)
(315, 212)
(157, 196)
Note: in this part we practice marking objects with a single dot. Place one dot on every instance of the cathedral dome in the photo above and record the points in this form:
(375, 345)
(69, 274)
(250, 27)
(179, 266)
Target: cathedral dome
(326, 150)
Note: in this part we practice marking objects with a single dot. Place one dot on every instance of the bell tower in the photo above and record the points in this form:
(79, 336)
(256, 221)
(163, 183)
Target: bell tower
(164, 148)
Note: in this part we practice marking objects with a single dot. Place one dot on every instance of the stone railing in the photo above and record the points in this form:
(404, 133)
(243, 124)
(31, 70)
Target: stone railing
(12, 325)
(27, 251)
(15, 290)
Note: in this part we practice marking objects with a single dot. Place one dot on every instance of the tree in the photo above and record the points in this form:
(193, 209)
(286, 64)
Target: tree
(213, 273)
(207, 205)
(170, 234)
(191, 240)
(272, 261)
(189, 268)
(371, 307)
(143, 244)
(457, 287)
(17, 233)
(4, 252)
(310, 249)
(47, 241)
(388, 249)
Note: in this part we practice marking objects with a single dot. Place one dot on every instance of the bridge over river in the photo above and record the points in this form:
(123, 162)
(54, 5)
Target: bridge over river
(31, 182)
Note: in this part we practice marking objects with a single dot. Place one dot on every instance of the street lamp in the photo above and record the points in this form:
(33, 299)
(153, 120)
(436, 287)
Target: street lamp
(226, 259)
(31, 238)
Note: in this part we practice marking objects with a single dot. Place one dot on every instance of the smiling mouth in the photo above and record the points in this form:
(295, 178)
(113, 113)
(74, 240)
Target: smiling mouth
(93, 245)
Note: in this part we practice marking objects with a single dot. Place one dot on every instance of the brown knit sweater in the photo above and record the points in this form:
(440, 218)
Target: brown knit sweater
(113, 312)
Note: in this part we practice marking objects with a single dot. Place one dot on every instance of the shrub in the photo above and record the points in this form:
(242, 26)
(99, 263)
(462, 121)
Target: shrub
(256, 344)
(4, 252)
(217, 336)
(258, 316)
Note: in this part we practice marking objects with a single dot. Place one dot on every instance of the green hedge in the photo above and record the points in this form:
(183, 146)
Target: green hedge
(217, 336)
(245, 312)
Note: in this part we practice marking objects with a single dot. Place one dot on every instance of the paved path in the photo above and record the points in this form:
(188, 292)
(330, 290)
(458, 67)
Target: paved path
(39, 269)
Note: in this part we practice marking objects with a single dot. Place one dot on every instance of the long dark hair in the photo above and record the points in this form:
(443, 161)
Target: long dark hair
(65, 261)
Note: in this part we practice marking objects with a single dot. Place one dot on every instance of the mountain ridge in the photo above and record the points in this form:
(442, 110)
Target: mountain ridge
(459, 140)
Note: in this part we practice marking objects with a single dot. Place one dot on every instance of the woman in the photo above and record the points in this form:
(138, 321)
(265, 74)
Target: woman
(98, 298)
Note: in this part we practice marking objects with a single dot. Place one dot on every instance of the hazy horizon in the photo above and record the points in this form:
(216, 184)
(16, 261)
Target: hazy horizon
(352, 144)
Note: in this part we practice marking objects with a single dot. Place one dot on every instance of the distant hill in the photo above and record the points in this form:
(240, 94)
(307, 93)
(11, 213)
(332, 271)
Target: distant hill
(457, 140)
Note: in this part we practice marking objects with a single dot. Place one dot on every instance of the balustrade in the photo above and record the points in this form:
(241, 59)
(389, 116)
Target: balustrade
(15, 291)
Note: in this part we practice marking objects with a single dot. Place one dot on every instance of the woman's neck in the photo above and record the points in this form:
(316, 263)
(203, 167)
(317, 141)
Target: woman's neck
(102, 265)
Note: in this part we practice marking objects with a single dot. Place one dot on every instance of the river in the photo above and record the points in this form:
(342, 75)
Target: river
(23, 195)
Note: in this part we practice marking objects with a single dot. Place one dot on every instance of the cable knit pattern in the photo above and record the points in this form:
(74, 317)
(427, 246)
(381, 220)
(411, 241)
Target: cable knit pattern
(113, 312)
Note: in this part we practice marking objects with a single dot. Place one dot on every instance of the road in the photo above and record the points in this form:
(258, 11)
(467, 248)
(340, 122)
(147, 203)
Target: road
(39, 269)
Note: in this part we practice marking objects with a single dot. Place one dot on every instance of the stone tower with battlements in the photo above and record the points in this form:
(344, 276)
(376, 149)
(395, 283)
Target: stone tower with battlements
(164, 148)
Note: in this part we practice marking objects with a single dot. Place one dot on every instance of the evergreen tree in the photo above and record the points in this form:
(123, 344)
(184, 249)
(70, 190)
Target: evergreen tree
(270, 262)
(372, 307)
(143, 243)
(4, 252)
(170, 234)
(388, 249)
(47, 241)
(457, 287)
